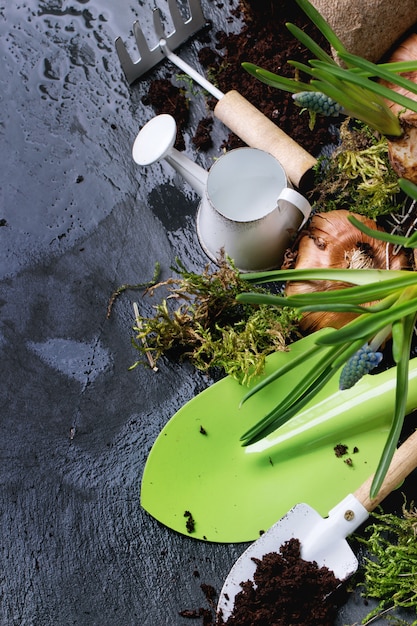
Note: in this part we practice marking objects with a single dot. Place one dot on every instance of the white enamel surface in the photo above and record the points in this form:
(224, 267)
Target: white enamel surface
(195, 175)
(155, 140)
(249, 210)
(244, 184)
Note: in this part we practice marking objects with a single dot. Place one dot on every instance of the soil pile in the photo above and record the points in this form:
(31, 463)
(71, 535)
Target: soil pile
(286, 591)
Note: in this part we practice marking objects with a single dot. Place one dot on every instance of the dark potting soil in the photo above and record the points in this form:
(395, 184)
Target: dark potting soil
(287, 591)
(164, 97)
(264, 40)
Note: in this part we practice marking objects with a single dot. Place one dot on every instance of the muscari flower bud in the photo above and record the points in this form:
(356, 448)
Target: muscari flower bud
(361, 363)
(318, 102)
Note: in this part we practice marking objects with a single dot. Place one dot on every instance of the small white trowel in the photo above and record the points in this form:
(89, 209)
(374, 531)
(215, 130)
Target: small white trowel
(322, 539)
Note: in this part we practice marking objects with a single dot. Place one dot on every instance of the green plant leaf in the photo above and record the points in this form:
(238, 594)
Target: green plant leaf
(406, 242)
(354, 100)
(354, 277)
(305, 390)
(370, 85)
(401, 392)
(356, 93)
(397, 333)
(380, 118)
(357, 98)
(319, 21)
(335, 307)
(394, 67)
(354, 295)
(367, 325)
(309, 43)
(280, 415)
(379, 71)
(349, 295)
(280, 371)
(274, 80)
(412, 241)
(408, 187)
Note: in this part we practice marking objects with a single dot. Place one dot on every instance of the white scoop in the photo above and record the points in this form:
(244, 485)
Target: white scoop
(322, 540)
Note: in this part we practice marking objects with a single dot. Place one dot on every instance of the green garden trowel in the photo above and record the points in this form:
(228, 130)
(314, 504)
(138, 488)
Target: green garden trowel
(200, 481)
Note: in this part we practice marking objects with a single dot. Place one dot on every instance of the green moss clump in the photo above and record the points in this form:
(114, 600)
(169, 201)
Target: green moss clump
(358, 176)
(390, 573)
(201, 321)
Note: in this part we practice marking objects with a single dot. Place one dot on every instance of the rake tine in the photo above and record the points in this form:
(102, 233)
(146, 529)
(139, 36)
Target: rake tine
(129, 68)
(141, 43)
(196, 13)
(176, 16)
(148, 58)
(157, 24)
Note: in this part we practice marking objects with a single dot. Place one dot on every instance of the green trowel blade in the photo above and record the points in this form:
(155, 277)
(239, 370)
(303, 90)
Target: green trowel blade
(200, 481)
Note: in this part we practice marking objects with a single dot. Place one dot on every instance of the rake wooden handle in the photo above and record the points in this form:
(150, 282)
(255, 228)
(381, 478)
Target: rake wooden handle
(403, 463)
(255, 129)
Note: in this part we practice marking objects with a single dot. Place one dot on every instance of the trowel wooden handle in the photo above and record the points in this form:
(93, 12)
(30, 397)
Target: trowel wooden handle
(403, 463)
(255, 129)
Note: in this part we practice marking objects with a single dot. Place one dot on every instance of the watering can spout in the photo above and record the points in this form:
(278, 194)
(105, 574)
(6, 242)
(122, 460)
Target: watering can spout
(155, 141)
(195, 175)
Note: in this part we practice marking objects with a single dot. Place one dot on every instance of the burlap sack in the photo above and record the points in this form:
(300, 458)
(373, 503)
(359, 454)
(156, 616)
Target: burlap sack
(368, 28)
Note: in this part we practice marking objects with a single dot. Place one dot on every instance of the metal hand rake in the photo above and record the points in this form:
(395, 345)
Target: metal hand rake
(149, 57)
(239, 115)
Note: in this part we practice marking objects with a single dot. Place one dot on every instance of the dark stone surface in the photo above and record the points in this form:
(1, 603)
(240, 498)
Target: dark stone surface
(78, 219)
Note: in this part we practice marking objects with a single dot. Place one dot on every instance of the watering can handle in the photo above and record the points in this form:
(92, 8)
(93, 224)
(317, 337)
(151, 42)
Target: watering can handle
(403, 463)
(248, 123)
(296, 199)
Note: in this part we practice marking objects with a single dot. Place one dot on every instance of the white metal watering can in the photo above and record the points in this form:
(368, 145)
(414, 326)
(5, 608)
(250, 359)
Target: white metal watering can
(247, 207)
